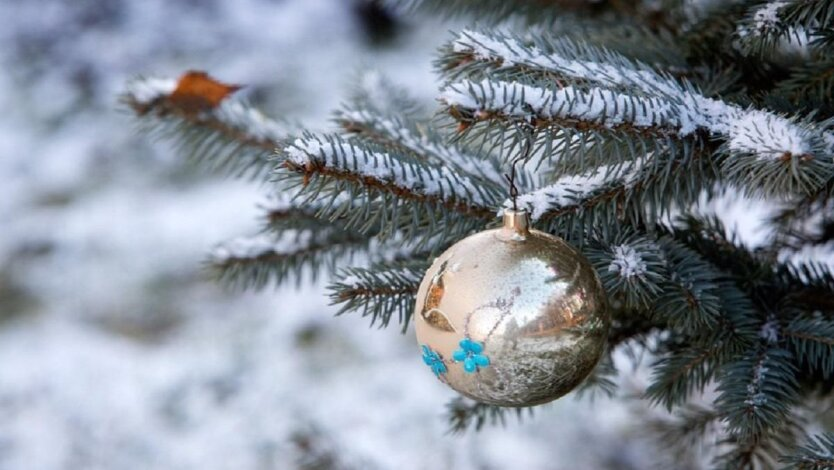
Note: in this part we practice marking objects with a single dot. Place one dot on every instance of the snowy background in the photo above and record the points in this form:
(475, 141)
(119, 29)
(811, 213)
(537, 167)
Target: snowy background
(117, 352)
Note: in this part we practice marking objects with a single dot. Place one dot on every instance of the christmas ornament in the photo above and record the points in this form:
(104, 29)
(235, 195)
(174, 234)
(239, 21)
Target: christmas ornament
(511, 316)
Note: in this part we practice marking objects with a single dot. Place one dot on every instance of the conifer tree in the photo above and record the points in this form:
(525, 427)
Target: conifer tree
(630, 115)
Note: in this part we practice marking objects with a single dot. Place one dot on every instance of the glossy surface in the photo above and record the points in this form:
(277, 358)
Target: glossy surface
(529, 299)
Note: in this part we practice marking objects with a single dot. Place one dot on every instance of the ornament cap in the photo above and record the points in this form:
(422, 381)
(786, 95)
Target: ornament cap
(516, 224)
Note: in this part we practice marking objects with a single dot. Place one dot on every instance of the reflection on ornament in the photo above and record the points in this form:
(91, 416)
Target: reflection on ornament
(521, 311)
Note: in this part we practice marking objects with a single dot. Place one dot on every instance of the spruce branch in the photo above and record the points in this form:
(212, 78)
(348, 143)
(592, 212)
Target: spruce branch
(632, 268)
(381, 291)
(406, 136)
(683, 371)
(685, 433)
(254, 262)
(385, 189)
(634, 193)
(690, 299)
(816, 454)
(812, 342)
(281, 213)
(478, 55)
(233, 137)
(600, 381)
(463, 413)
(809, 87)
(757, 391)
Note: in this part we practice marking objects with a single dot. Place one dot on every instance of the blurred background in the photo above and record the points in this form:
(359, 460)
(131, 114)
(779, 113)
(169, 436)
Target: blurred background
(116, 349)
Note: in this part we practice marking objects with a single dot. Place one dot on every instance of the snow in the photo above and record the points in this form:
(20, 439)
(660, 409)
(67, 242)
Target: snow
(660, 101)
(146, 90)
(767, 16)
(442, 154)
(596, 105)
(569, 190)
(510, 51)
(232, 111)
(756, 397)
(770, 331)
(429, 180)
(627, 262)
(251, 120)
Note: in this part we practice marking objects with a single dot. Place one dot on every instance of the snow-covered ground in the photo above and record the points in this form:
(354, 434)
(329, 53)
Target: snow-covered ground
(117, 353)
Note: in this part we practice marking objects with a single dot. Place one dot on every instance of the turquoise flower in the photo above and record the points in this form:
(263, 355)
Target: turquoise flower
(470, 354)
(433, 360)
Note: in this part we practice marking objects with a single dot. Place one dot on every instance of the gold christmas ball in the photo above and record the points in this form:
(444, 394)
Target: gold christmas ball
(511, 316)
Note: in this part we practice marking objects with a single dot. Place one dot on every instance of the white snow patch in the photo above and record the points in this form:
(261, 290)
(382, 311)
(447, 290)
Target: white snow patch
(627, 262)
(442, 154)
(442, 182)
(767, 16)
(571, 189)
(762, 133)
(770, 331)
(145, 90)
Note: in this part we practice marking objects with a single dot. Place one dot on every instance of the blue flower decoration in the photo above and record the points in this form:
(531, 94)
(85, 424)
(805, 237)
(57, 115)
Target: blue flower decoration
(433, 360)
(470, 354)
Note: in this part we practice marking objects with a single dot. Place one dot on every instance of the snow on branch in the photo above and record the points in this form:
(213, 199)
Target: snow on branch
(274, 257)
(572, 193)
(567, 60)
(379, 291)
(761, 133)
(334, 157)
(766, 135)
(631, 266)
(766, 30)
(756, 392)
(245, 137)
(627, 262)
(395, 131)
(144, 91)
(596, 106)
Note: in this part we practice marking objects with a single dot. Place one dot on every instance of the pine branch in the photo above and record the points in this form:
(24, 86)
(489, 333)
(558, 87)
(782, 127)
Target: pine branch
(385, 189)
(762, 152)
(756, 392)
(233, 138)
(683, 436)
(632, 268)
(816, 454)
(463, 414)
(479, 55)
(690, 299)
(375, 92)
(810, 88)
(271, 259)
(381, 291)
(784, 154)
(404, 136)
(634, 193)
(764, 29)
(812, 342)
(281, 213)
(600, 381)
(684, 371)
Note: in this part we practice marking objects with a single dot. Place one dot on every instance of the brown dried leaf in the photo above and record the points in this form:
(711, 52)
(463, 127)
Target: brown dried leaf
(196, 92)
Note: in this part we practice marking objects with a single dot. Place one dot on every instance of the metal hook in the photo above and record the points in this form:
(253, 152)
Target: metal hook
(525, 153)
